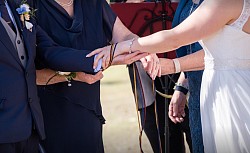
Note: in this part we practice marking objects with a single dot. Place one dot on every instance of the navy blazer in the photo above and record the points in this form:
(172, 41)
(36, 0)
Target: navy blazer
(19, 103)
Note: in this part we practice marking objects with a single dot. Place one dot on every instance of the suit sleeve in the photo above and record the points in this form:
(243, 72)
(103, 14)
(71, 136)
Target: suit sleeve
(61, 58)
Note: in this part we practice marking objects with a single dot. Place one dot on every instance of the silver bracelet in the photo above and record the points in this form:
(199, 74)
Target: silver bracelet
(130, 45)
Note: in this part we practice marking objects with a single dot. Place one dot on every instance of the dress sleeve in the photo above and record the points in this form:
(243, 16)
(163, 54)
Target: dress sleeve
(61, 58)
(109, 18)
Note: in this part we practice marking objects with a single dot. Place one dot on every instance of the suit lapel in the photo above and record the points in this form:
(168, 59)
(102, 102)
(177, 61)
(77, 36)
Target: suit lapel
(23, 31)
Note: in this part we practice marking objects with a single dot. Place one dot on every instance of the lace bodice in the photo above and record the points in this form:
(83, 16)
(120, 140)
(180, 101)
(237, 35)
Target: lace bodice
(240, 22)
(229, 48)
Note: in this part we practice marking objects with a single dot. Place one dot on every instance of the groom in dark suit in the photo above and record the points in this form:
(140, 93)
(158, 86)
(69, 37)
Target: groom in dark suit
(21, 121)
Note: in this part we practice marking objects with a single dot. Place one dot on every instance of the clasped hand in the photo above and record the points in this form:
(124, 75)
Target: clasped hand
(150, 62)
(177, 107)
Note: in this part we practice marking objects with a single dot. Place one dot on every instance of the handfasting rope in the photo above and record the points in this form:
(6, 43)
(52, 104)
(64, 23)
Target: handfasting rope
(143, 117)
(141, 126)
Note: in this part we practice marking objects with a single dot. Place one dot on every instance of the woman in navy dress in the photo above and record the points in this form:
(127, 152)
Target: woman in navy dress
(73, 114)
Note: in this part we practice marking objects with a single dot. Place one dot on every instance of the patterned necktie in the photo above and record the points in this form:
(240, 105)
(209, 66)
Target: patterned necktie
(5, 15)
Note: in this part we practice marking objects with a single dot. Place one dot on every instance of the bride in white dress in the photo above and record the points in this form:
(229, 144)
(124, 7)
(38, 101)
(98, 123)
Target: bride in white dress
(223, 29)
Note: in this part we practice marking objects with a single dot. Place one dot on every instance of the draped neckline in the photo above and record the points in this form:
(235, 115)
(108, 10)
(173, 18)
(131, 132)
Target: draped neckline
(61, 15)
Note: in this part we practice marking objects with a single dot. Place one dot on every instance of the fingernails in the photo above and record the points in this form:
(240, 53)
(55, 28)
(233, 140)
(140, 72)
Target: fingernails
(153, 77)
(87, 55)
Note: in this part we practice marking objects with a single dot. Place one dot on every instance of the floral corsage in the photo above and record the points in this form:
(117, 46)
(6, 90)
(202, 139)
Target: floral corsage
(68, 75)
(25, 13)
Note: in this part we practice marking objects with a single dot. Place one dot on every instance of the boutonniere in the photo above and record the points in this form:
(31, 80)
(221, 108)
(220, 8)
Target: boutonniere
(26, 13)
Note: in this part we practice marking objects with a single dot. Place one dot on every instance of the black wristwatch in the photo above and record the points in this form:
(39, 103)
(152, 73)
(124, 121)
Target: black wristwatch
(181, 88)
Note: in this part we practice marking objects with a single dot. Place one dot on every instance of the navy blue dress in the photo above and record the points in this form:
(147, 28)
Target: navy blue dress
(73, 115)
(184, 9)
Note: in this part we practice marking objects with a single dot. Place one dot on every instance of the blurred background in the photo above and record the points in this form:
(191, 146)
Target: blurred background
(121, 131)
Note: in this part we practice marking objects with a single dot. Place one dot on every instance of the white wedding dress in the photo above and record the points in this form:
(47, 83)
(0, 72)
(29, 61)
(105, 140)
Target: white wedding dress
(225, 91)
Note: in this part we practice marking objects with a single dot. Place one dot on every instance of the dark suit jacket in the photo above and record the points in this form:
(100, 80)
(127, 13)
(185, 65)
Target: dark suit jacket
(19, 103)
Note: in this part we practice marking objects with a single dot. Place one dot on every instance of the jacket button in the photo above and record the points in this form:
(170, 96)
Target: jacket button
(18, 41)
(30, 100)
(27, 74)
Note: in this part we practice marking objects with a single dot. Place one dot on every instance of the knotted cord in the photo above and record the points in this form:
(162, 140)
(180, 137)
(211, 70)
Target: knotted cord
(141, 126)
(157, 120)
(142, 118)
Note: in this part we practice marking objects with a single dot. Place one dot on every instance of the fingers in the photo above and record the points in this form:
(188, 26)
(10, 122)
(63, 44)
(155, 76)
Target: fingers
(103, 58)
(97, 51)
(170, 113)
(183, 114)
(156, 69)
(159, 72)
(98, 58)
(144, 63)
(128, 58)
(105, 62)
(152, 65)
(99, 75)
(135, 56)
(90, 79)
(179, 119)
(177, 108)
(101, 55)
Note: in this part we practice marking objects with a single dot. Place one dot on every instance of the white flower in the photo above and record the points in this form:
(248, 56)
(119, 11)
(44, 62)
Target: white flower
(63, 73)
(28, 25)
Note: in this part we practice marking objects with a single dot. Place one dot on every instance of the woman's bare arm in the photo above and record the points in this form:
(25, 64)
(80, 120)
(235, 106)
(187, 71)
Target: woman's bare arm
(48, 76)
(206, 20)
(191, 62)
(150, 62)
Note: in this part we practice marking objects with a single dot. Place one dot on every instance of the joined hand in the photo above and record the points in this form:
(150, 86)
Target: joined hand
(119, 59)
